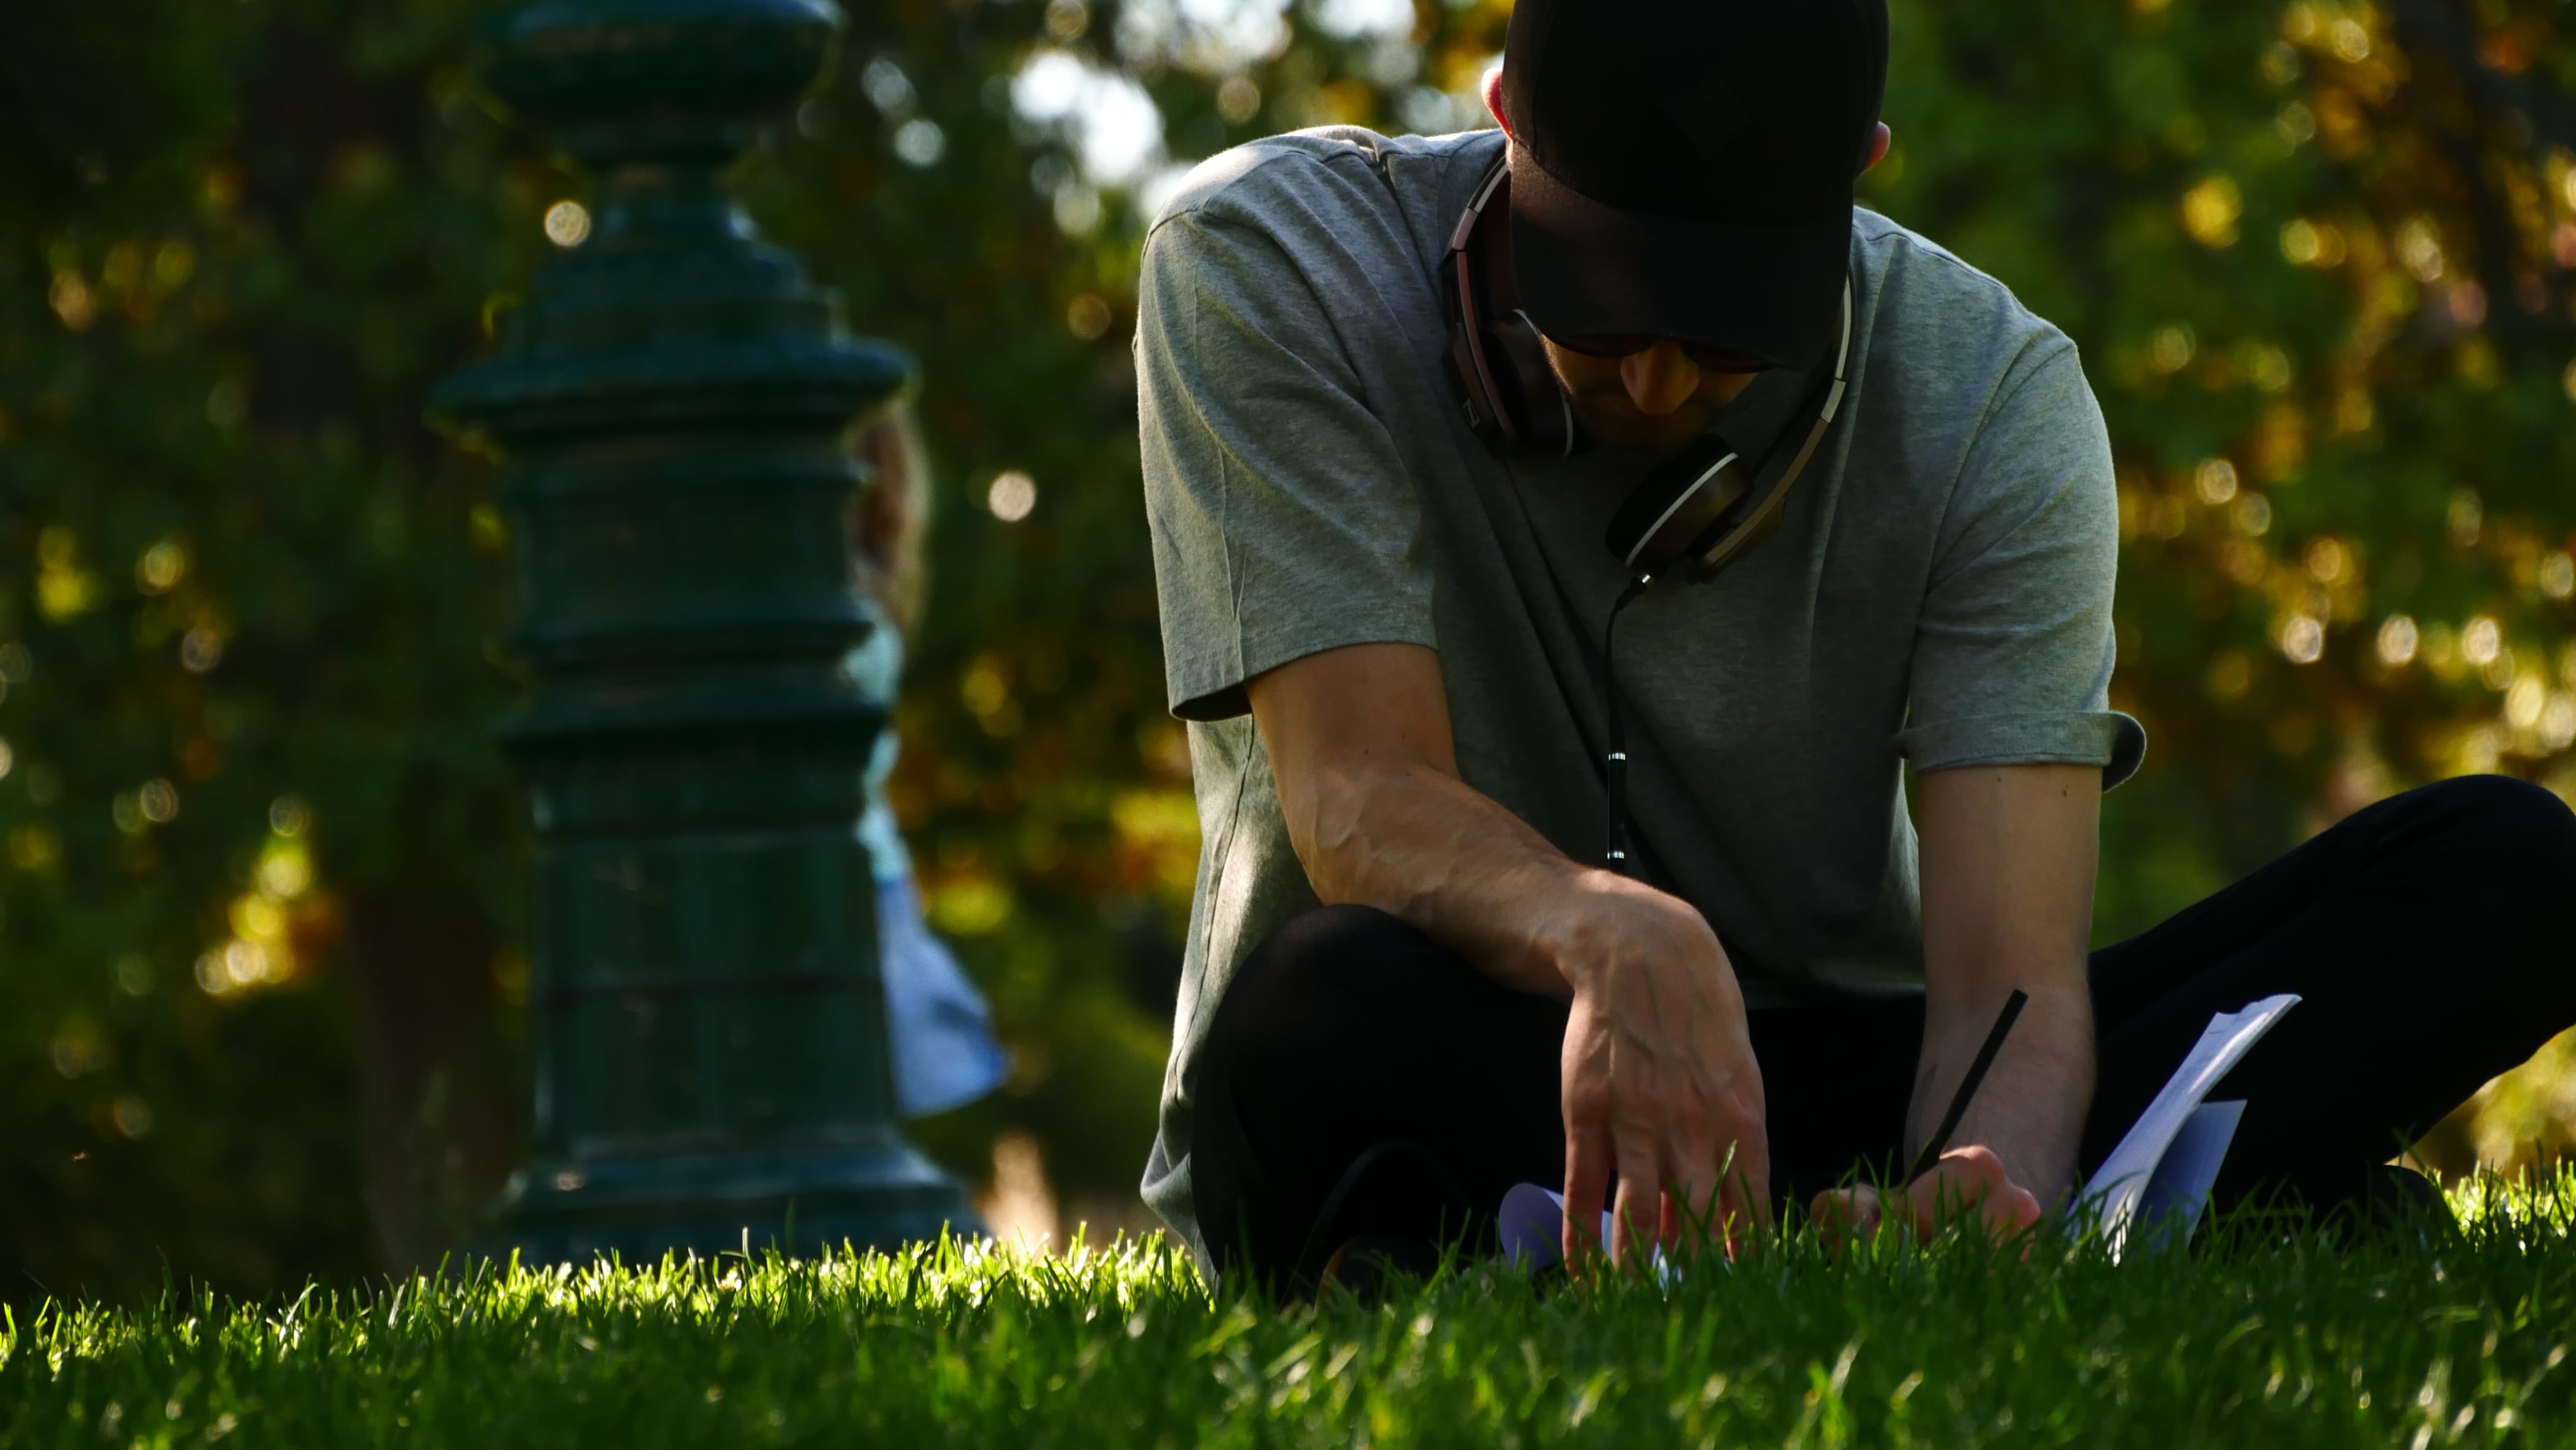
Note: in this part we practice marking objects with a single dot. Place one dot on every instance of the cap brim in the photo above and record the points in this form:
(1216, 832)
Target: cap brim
(1771, 292)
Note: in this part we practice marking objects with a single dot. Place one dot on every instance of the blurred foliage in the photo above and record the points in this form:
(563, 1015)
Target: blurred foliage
(260, 865)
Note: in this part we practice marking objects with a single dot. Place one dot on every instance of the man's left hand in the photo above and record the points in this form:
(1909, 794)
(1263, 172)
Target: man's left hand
(1968, 1185)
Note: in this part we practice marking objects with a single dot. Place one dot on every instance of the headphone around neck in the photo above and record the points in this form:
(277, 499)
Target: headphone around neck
(1696, 509)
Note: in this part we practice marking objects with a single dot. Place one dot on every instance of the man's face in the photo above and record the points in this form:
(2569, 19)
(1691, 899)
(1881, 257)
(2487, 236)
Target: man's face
(1650, 400)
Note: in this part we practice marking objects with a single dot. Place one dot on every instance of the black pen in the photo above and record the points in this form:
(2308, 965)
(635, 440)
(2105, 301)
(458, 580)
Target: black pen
(1939, 1142)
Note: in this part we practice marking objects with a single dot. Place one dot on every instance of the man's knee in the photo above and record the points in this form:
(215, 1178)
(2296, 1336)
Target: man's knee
(2515, 837)
(1336, 942)
(1329, 971)
(2497, 866)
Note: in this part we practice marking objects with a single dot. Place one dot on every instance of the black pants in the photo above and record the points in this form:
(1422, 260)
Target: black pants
(2429, 935)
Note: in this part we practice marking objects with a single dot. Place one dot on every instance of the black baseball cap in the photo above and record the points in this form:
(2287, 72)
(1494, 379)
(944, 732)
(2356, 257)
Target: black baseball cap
(1684, 168)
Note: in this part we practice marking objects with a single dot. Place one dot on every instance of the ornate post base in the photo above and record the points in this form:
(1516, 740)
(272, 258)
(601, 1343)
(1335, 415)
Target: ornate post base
(802, 1202)
(711, 1057)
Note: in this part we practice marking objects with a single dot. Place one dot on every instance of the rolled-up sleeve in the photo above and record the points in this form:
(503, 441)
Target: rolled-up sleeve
(1283, 521)
(2013, 654)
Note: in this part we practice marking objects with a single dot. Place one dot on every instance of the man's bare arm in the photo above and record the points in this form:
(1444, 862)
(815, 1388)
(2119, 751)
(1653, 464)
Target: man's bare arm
(2008, 855)
(2008, 862)
(1658, 1076)
(1361, 753)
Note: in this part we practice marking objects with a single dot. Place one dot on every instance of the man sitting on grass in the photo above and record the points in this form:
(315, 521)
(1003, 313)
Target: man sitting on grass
(1409, 986)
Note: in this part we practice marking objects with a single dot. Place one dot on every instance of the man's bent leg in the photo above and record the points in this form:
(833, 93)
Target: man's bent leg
(1836, 1081)
(2430, 939)
(1348, 1031)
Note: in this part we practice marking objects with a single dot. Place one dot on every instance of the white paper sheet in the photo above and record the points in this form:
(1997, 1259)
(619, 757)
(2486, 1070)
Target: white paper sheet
(2120, 1184)
(2177, 1192)
(1532, 1226)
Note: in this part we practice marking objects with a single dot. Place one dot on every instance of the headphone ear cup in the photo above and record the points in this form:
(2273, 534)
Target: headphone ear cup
(1538, 403)
(1679, 508)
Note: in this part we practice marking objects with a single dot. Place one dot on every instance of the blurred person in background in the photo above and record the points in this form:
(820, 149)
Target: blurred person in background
(941, 1031)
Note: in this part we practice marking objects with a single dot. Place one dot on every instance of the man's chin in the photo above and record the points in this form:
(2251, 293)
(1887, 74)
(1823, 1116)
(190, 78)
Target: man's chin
(1628, 431)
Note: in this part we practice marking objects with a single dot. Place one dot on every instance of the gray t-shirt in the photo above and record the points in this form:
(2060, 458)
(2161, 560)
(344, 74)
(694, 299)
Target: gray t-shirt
(1939, 587)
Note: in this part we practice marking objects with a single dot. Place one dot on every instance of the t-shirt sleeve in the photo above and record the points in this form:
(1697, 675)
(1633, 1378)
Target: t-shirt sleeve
(1283, 520)
(2012, 658)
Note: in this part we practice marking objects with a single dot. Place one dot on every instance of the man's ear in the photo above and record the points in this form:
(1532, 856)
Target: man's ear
(1878, 145)
(1494, 100)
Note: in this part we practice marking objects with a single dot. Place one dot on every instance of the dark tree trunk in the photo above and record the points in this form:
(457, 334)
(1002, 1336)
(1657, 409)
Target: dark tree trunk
(437, 1088)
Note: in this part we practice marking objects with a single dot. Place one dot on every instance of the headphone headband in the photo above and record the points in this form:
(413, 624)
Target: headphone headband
(1698, 506)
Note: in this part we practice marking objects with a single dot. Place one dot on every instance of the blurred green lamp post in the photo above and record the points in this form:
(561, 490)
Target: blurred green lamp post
(709, 1026)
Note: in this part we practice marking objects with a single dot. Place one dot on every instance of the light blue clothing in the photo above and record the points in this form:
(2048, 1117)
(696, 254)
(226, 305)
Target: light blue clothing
(944, 1052)
(939, 1027)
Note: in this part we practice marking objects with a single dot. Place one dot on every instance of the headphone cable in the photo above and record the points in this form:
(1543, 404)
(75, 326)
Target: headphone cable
(1615, 773)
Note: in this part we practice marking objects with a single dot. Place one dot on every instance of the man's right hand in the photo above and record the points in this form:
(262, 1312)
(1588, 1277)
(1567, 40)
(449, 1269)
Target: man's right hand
(1660, 1084)
(1658, 1075)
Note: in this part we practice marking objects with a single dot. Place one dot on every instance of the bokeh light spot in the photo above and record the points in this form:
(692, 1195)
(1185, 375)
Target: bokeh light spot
(2210, 210)
(2481, 641)
(2327, 560)
(2558, 722)
(285, 871)
(2172, 347)
(2300, 243)
(2397, 641)
(72, 301)
(2557, 575)
(1238, 100)
(567, 223)
(920, 142)
(1012, 495)
(2419, 249)
(160, 567)
(2524, 703)
(2302, 639)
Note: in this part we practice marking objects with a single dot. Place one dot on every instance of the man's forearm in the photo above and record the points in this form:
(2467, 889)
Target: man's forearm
(1434, 851)
(2008, 856)
(2031, 1109)
(1361, 755)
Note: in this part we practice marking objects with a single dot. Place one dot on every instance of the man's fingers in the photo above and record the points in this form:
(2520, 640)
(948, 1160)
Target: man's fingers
(1968, 1181)
(1692, 1208)
(1587, 1174)
(1748, 1175)
(1626, 1212)
(1639, 1213)
(1846, 1215)
(2016, 1208)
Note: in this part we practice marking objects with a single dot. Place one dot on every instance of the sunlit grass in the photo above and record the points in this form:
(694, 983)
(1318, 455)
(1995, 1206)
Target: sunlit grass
(2270, 1335)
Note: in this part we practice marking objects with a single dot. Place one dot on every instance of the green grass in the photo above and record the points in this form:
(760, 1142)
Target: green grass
(2269, 1337)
